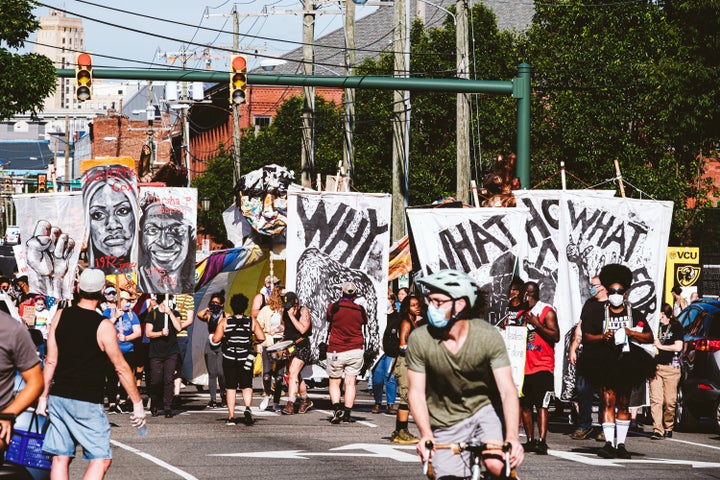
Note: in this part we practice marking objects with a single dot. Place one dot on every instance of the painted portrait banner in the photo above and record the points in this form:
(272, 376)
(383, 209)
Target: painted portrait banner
(110, 203)
(333, 238)
(167, 240)
(483, 242)
(51, 229)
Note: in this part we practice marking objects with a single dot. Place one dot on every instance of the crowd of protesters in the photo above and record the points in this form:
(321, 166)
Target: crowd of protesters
(608, 351)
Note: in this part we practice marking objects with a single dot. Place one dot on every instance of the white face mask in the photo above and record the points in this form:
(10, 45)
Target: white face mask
(616, 299)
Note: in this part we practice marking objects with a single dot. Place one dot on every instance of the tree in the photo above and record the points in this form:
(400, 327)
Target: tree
(214, 185)
(609, 84)
(26, 79)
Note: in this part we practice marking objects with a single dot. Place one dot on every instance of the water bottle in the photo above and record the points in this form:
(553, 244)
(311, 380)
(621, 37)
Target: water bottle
(142, 431)
(676, 360)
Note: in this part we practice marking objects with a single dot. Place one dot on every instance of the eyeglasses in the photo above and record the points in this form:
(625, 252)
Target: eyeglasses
(437, 302)
(619, 291)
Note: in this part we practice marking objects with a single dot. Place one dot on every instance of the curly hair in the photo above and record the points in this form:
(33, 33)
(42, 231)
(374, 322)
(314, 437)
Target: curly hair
(615, 273)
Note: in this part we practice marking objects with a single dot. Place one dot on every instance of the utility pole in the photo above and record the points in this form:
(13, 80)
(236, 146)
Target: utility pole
(349, 126)
(401, 110)
(237, 173)
(68, 177)
(462, 136)
(151, 132)
(307, 155)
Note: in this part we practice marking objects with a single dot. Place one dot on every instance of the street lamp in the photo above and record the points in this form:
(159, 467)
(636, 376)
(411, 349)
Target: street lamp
(205, 205)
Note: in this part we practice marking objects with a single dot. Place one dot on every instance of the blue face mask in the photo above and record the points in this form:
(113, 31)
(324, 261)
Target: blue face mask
(436, 317)
(593, 290)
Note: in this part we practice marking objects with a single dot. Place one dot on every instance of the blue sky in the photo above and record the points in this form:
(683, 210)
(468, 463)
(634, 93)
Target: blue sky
(164, 32)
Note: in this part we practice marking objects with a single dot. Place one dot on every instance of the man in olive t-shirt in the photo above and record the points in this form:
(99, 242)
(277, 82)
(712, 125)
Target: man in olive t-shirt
(456, 365)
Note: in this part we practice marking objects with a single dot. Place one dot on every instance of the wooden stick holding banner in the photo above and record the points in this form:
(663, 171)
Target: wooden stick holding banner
(165, 315)
(473, 187)
(618, 175)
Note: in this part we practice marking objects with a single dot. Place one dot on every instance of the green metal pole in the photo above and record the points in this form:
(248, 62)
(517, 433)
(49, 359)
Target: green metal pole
(453, 85)
(521, 91)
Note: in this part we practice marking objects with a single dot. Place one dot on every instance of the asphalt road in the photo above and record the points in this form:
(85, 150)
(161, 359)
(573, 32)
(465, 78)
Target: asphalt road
(196, 444)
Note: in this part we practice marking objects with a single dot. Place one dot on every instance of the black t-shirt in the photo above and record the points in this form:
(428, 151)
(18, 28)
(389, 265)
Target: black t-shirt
(668, 335)
(162, 347)
(595, 323)
(512, 315)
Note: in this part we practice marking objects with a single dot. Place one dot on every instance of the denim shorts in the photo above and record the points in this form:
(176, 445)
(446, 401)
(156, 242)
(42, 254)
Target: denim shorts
(73, 423)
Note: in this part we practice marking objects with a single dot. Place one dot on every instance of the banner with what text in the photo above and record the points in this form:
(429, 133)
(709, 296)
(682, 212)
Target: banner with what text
(51, 230)
(483, 242)
(334, 238)
(168, 226)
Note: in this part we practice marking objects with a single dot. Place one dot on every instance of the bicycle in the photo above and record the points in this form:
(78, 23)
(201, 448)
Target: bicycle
(476, 449)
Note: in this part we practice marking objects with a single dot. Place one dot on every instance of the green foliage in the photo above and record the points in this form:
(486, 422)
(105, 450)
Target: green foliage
(214, 185)
(611, 81)
(25, 80)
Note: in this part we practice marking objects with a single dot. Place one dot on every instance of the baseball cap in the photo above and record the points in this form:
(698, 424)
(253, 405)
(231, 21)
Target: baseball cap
(110, 291)
(289, 299)
(272, 279)
(92, 280)
(349, 288)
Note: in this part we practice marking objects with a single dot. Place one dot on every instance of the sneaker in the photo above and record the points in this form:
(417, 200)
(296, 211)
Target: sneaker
(264, 403)
(530, 445)
(213, 404)
(657, 436)
(305, 405)
(154, 411)
(581, 433)
(176, 401)
(347, 418)
(608, 451)
(375, 408)
(622, 453)
(112, 409)
(249, 420)
(404, 437)
(289, 409)
(169, 414)
(337, 417)
(600, 437)
(668, 434)
(231, 421)
(541, 447)
(391, 410)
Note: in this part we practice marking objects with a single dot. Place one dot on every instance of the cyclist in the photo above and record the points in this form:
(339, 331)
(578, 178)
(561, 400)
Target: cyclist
(453, 364)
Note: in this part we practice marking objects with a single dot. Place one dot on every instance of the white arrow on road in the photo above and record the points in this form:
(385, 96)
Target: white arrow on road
(592, 459)
(370, 450)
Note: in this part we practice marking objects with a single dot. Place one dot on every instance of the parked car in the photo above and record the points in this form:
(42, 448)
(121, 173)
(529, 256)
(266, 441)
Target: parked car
(12, 235)
(699, 392)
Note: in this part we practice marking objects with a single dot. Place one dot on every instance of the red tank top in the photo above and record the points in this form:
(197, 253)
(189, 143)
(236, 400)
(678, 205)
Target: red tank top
(540, 355)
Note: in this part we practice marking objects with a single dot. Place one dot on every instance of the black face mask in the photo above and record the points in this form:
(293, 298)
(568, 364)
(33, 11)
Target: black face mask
(215, 308)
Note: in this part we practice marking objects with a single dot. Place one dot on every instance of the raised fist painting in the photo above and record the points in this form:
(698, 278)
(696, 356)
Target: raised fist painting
(48, 254)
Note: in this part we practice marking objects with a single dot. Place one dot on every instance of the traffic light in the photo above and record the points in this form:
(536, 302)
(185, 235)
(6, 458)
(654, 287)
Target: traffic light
(238, 79)
(83, 77)
(42, 182)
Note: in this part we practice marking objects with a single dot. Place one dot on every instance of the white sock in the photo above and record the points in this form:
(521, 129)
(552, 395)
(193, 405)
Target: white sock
(609, 432)
(622, 430)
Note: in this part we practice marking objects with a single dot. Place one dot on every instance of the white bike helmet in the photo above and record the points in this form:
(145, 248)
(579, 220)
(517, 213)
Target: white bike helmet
(454, 284)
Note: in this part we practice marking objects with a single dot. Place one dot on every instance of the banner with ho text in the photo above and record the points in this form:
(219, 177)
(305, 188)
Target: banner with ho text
(51, 230)
(571, 235)
(483, 242)
(334, 238)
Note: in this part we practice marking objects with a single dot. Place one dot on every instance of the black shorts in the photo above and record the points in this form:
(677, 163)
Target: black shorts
(303, 352)
(535, 388)
(236, 375)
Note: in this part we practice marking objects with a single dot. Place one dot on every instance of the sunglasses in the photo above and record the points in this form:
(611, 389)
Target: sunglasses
(620, 291)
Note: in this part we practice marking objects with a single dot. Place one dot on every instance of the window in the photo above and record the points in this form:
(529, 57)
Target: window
(262, 121)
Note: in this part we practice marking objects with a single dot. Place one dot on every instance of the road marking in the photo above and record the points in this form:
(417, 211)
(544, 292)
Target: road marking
(393, 452)
(593, 459)
(155, 460)
(695, 444)
(361, 422)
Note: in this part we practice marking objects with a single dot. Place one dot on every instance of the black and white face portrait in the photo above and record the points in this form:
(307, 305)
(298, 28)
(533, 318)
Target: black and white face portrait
(110, 199)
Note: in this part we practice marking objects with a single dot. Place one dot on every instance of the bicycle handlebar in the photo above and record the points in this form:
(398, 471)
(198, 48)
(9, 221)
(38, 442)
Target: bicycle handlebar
(475, 448)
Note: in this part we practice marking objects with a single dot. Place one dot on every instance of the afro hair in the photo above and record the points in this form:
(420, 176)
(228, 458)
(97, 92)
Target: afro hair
(615, 273)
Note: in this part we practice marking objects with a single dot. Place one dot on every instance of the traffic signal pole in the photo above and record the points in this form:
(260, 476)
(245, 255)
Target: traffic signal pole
(518, 88)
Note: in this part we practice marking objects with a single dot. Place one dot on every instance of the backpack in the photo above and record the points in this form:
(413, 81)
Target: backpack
(391, 336)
